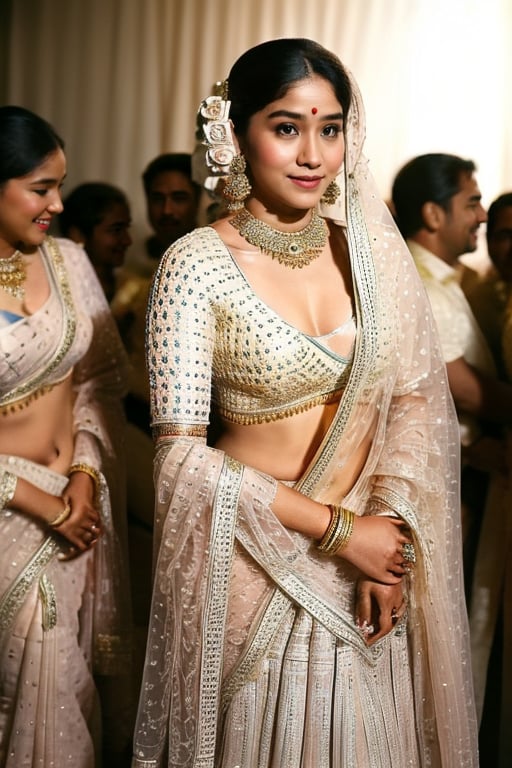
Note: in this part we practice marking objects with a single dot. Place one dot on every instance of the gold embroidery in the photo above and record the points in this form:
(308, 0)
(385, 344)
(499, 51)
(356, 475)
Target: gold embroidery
(19, 405)
(226, 337)
(8, 483)
(220, 561)
(14, 597)
(35, 384)
(178, 430)
(263, 418)
(365, 352)
(49, 603)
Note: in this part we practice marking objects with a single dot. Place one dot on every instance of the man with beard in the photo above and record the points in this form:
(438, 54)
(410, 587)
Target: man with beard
(172, 200)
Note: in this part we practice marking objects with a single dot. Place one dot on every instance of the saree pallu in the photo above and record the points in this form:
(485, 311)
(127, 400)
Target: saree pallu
(290, 682)
(253, 656)
(60, 625)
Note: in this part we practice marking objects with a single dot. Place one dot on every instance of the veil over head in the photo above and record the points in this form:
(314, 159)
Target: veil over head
(355, 134)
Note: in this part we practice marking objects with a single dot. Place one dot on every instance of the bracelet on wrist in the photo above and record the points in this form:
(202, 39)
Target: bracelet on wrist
(87, 470)
(66, 512)
(8, 483)
(338, 531)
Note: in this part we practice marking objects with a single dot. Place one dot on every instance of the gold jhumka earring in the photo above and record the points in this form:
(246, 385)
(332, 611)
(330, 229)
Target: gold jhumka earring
(237, 186)
(331, 194)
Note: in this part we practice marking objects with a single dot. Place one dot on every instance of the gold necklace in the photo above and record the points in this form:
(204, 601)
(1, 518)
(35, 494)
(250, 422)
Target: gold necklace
(13, 275)
(293, 249)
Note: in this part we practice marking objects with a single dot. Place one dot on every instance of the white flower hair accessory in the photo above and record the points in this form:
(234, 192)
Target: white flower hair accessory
(214, 131)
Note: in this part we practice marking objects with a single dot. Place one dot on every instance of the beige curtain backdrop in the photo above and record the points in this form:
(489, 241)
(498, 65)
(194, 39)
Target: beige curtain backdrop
(121, 79)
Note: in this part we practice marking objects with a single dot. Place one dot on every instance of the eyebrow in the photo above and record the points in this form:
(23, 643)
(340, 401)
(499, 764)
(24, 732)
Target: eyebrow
(47, 181)
(299, 116)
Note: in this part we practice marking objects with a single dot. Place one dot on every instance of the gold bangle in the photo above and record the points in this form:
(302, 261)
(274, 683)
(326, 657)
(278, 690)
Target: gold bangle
(62, 516)
(331, 529)
(345, 532)
(87, 470)
(338, 531)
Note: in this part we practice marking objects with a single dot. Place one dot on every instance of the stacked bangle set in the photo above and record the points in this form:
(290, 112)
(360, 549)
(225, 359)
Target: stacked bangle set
(338, 531)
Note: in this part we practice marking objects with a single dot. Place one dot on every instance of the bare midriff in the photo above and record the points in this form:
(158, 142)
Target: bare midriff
(285, 448)
(42, 430)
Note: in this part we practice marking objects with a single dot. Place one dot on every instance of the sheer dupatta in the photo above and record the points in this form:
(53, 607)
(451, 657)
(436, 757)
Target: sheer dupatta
(224, 565)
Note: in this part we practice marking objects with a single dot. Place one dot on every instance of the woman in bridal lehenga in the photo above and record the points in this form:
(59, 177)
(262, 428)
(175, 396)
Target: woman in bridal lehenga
(64, 641)
(308, 609)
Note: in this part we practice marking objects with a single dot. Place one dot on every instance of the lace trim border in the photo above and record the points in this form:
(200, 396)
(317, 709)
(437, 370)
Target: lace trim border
(14, 597)
(221, 555)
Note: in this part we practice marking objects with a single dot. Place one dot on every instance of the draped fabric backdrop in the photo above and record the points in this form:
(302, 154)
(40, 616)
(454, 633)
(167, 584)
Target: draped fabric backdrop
(121, 79)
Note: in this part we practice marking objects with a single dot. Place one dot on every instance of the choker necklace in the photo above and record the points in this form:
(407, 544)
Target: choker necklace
(13, 274)
(293, 249)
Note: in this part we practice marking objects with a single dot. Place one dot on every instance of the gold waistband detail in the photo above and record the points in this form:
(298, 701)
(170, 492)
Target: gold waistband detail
(284, 413)
(23, 402)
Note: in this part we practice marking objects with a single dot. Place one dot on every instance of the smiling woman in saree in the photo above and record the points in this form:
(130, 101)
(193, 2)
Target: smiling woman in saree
(64, 641)
(307, 607)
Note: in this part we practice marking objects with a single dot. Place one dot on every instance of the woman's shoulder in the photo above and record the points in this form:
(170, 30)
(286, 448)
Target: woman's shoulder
(72, 265)
(199, 260)
(201, 245)
(72, 254)
(201, 237)
(68, 248)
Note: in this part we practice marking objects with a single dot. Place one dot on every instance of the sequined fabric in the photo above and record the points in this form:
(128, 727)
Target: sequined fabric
(220, 323)
(40, 349)
(51, 636)
(62, 623)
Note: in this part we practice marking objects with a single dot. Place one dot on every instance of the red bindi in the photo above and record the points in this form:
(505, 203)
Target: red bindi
(314, 110)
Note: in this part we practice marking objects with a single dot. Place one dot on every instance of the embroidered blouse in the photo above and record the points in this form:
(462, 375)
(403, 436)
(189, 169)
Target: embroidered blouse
(262, 368)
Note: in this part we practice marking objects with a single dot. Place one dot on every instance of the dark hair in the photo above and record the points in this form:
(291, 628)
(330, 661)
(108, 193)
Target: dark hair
(169, 161)
(86, 205)
(25, 141)
(427, 178)
(503, 201)
(265, 73)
